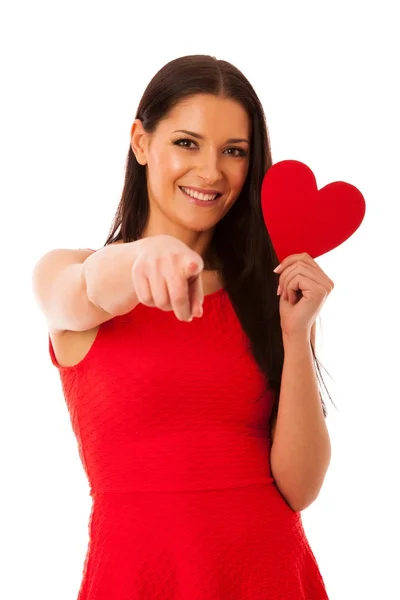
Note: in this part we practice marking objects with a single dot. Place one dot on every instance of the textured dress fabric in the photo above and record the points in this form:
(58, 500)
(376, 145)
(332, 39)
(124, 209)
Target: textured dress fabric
(171, 420)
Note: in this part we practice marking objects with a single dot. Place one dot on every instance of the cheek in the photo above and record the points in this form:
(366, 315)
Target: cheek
(169, 165)
(238, 176)
(176, 166)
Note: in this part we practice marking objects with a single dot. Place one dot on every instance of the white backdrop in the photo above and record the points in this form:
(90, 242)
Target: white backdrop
(72, 76)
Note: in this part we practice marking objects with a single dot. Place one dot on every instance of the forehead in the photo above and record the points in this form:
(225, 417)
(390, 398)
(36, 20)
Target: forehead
(209, 115)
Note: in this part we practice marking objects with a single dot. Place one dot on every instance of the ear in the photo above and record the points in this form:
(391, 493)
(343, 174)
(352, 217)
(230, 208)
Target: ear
(139, 141)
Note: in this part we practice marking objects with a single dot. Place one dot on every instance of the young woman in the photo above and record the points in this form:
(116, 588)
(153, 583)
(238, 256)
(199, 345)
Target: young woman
(190, 381)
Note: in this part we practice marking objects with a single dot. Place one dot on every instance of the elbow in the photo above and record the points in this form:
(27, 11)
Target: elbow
(302, 503)
(300, 486)
(299, 501)
(299, 495)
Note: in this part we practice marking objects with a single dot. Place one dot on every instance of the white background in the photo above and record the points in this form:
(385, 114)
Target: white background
(72, 76)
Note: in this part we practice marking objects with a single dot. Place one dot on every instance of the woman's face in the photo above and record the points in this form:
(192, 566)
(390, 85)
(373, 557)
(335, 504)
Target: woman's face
(213, 157)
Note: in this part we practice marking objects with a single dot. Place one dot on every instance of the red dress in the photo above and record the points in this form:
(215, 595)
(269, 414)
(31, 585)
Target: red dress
(171, 421)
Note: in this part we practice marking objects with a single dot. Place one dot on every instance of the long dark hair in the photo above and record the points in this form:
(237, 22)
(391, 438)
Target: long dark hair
(245, 255)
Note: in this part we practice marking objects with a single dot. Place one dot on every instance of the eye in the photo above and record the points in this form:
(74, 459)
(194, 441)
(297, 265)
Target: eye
(179, 143)
(240, 151)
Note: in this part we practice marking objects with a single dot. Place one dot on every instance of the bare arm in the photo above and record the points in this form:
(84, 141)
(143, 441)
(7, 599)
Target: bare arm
(301, 448)
(80, 289)
(108, 277)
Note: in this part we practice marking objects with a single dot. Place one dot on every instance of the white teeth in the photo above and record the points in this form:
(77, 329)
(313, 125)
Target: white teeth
(198, 195)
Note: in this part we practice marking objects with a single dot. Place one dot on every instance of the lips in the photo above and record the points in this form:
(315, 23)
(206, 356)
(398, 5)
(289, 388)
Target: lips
(198, 191)
(198, 201)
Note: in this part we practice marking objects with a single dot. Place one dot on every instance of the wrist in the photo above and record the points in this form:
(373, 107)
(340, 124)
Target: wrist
(298, 338)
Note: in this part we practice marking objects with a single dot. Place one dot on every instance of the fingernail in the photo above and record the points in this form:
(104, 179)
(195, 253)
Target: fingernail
(278, 268)
(279, 290)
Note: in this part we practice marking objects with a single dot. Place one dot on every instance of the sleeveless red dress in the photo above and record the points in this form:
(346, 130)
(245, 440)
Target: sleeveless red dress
(171, 420)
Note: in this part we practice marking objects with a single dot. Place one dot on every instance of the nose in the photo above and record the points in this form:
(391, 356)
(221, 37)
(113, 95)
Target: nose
(209, 170)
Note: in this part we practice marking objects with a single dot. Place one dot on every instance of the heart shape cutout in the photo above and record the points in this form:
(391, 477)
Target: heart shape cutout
(300, 218)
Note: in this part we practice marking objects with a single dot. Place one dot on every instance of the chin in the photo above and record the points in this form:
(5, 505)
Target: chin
(198, 227)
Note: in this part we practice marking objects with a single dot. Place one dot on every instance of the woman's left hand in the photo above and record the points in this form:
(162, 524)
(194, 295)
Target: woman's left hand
(304, 289)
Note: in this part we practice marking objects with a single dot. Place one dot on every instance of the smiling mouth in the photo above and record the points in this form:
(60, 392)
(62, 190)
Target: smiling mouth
(198, 195)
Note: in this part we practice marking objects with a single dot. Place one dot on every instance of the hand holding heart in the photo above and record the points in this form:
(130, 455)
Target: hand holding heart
(304, 223)
(304, 287)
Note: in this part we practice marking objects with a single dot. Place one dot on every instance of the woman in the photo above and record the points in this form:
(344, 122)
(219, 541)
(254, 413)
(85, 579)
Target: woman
(197, 478)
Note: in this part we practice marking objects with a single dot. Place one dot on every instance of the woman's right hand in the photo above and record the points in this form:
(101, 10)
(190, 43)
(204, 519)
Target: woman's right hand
(167, 274)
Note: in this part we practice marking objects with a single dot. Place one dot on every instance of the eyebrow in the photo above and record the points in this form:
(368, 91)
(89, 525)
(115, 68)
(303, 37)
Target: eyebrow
(201, 137)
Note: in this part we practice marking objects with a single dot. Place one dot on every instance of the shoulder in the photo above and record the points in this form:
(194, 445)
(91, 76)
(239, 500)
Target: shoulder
(111, 244)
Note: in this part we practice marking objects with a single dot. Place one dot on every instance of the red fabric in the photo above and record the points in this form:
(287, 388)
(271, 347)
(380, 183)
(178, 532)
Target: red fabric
(300, 218)
(171, 420)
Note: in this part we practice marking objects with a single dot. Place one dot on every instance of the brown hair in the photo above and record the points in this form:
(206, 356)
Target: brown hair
(246, 257)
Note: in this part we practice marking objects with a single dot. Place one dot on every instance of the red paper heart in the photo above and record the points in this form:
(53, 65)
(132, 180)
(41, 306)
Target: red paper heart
(300, 218)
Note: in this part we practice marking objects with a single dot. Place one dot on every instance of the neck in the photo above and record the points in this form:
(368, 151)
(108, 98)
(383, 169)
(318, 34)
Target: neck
(205, 248)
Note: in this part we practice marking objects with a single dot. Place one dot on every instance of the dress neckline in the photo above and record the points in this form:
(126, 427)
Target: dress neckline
(216, 294)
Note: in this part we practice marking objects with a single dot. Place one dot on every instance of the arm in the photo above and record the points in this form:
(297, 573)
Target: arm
(301, 449)
(79, 289)
(108, 277)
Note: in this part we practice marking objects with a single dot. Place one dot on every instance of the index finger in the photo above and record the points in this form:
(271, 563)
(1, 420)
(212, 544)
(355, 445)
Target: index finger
(196, 296)
(289, 260)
